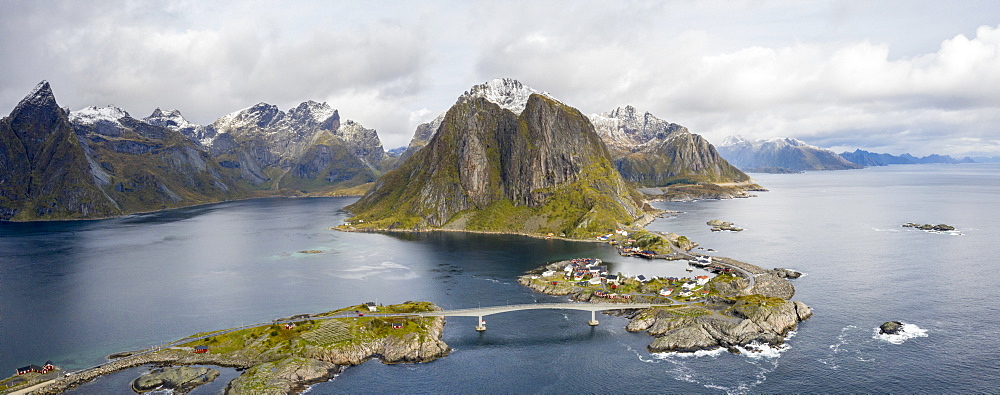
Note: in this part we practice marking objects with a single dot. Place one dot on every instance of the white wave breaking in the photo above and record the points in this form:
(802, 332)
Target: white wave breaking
(909, 331)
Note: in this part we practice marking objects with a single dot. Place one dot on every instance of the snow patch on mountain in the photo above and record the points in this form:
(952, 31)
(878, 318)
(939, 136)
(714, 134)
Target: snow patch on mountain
(774, 142)
(509, 94)
(93, 114)
(626, 128)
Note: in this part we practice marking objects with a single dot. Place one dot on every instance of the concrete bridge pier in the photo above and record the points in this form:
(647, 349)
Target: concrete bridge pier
(593, 318)
(480, 325)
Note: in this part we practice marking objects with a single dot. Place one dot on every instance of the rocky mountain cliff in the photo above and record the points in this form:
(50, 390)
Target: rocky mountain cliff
(509, 94)
(489, 168)
(866, 158)
(653, 153)
(780, 155)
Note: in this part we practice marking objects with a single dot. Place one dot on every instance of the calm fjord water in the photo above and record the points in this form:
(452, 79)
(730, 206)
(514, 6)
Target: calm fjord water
(76, 291)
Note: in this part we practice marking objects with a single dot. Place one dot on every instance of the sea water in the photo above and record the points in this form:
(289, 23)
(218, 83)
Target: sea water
(74, 292)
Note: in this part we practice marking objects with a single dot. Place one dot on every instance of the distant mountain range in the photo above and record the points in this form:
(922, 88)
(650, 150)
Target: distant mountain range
(780, 155)
(789, 155)
(866, 158)
(101, 161)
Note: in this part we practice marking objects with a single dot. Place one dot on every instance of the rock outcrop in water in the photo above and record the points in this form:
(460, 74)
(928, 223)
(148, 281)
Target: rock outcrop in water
(891, 328)
(719, 225)
(930, 227)
(786, 273)
(489, 169)
(179, 380)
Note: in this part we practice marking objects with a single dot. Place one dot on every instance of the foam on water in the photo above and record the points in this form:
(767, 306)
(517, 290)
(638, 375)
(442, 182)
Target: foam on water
(909, 331)
(761, 358)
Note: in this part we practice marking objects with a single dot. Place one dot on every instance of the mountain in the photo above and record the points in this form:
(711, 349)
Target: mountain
(509, 94)
(97, 162)
(489, 168)
(47, 172)
(780, 155)
(308, 149)
(866, 158)
(654, 153)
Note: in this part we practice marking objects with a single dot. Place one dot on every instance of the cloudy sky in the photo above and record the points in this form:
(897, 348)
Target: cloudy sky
(889, 76)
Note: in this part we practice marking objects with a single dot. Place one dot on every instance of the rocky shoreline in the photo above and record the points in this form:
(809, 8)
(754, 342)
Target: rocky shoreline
(732, 315)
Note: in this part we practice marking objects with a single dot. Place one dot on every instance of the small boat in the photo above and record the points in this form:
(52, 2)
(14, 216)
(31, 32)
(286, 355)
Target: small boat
(690, 269)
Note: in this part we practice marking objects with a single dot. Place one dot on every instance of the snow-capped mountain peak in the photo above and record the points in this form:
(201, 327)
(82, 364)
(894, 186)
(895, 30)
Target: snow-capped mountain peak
(508, 93)
(260, 115)
(626, 128)
(734, 140)
(93, 114)
(40, 96)
(311, 110)
(169, 119)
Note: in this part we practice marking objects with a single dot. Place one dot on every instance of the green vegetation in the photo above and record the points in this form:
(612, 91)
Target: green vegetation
(316, 335)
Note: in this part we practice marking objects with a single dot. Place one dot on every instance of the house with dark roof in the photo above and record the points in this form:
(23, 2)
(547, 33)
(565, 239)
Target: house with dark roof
(200, 349)
(30, 368)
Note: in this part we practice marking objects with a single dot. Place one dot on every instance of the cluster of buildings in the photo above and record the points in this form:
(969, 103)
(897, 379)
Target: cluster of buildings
(587, 271)
(48, 367)
(688, 288)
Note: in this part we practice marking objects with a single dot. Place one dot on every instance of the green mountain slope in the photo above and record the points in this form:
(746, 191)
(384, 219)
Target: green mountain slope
(488, 169)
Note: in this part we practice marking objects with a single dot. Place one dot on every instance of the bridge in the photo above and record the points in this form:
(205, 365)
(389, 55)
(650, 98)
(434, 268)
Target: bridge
(481, 312)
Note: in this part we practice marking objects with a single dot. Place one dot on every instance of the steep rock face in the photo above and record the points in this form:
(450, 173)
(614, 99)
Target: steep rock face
(407, 348)
(143, 167)
(421, 137)
(653, 153)
(488, 168)
(509, 94)
(286, 376)
(46, 169)
(780, 155)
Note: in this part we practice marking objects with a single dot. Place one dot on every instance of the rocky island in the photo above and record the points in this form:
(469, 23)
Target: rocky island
(286, 355)
(719, 225)
(741, 306)
(930, 227)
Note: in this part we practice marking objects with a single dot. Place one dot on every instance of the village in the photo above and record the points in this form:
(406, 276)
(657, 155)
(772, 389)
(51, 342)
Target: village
(590, 278)
(30, 374)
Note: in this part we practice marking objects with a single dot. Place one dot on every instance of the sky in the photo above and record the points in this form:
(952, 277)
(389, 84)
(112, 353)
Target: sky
(888, 76)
